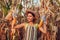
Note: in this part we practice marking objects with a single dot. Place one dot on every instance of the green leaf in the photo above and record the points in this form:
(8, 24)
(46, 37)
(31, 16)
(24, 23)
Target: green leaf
(5, 11)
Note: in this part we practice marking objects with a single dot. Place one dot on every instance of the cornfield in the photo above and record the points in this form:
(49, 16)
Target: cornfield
(12, 12)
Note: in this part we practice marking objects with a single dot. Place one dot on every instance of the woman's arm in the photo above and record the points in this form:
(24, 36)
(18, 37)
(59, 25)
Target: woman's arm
(19, 26)
(42, 27)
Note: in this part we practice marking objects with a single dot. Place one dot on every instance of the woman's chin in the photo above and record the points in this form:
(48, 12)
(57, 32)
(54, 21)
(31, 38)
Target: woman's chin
(29, 21)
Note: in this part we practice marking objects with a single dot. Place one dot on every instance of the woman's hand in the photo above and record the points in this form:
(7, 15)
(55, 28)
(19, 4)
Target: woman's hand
(19, 26)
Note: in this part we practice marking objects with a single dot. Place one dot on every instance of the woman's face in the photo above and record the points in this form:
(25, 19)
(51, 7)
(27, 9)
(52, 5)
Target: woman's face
(30, 17)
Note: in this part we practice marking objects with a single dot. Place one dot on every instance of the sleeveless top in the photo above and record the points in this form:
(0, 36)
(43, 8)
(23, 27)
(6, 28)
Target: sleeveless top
(31, 32)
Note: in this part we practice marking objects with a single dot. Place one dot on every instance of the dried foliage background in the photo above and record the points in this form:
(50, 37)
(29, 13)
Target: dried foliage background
(10, 9)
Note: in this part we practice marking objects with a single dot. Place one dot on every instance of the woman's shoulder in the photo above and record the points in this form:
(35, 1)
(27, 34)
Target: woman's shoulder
(25, 24)
(36, 25)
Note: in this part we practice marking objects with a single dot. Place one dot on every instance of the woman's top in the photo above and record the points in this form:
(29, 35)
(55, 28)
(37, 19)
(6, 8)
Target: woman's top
(31, 32)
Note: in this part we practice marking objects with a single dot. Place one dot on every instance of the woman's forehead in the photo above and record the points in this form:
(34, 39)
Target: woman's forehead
(29, 14)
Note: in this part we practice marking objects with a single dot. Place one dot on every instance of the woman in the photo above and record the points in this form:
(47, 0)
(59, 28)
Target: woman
(31, 27)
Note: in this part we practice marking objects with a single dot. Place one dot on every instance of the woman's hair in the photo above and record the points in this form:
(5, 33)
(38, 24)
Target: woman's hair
(33, 14)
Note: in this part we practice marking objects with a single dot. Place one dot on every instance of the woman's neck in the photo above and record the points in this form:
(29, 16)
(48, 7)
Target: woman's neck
(30, 23)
